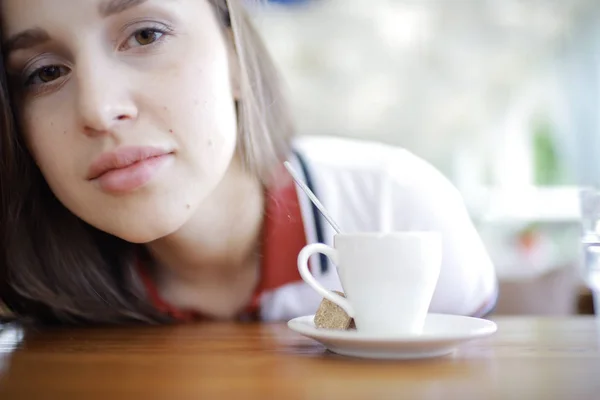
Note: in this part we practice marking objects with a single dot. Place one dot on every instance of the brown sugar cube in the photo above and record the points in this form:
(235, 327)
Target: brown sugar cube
(352, 324)
(331, 316)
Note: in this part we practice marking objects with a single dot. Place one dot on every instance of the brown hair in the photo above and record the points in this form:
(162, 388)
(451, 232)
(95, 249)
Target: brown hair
(55, 268)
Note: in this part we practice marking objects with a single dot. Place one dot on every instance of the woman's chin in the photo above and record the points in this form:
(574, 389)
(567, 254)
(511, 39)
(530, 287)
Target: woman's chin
(142, 232)
(142, 237)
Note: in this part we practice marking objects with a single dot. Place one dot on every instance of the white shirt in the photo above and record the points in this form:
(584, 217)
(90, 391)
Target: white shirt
(371, 187)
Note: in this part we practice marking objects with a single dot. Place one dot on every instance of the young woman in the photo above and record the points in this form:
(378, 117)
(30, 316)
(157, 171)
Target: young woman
(141, 179)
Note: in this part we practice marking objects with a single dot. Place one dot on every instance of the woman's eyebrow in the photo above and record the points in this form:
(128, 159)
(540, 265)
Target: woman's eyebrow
(25, 40)
(36, 36)
(111, 7)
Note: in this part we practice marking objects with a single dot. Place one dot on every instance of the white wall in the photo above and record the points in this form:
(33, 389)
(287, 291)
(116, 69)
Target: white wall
(442, 78)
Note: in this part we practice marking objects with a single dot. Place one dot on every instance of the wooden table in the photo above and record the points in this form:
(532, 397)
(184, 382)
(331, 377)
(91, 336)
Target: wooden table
(527, 359)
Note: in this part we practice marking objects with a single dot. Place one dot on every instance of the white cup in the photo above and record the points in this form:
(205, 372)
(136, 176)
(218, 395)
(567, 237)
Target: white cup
(388, 278)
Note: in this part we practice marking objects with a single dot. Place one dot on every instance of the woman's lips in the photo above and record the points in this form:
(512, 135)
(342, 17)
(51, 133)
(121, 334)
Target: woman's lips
(128, 168)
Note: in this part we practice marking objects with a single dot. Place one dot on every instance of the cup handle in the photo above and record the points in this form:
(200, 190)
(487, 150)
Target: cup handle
(331, 253)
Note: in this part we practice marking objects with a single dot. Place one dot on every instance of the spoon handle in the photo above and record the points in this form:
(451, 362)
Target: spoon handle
(312, 196)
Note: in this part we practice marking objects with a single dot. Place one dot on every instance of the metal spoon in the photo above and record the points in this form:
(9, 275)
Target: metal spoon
(311, 196)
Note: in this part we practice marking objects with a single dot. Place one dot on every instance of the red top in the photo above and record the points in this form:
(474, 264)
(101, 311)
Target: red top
(283, 237)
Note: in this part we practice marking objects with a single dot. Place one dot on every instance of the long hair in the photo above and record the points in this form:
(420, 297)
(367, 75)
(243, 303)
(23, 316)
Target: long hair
(54, 267)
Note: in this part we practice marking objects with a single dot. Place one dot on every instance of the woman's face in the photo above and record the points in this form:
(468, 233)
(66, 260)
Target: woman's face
(126, 106)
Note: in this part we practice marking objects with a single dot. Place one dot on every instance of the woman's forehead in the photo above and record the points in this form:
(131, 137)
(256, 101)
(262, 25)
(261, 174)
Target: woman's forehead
(26, 14)
(66, 21)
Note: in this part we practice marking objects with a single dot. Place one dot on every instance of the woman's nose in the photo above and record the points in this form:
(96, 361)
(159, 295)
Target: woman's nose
(104, 98)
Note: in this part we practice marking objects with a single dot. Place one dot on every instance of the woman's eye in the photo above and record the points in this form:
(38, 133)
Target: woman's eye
(147, 36)
(46, 74)
(143, 37)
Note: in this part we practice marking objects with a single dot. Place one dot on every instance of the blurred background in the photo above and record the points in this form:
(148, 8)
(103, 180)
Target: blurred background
(501, 95)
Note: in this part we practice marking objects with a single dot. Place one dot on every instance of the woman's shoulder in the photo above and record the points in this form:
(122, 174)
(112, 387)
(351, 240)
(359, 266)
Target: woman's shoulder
(352, 161)
(332, 151)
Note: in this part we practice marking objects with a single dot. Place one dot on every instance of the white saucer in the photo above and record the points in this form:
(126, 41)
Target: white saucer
(441, 335)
